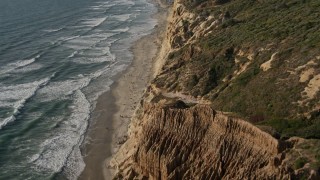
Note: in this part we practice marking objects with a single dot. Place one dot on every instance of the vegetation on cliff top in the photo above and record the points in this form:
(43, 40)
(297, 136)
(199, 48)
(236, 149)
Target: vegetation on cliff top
(251, 33)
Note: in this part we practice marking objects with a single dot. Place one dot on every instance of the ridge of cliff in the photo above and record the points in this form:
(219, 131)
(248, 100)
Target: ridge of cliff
(193, 122)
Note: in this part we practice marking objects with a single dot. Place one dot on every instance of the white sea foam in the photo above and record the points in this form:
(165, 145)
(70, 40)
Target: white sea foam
(104, 82)
(126, 2)
(52, 30)
(98, 52)
(97, 55)
(106, 3)
(14, 93)
(96, 7)
(103, 35)
(75, 163)
(6, 104)
(102, 7)
(64, 144)
(61, 89)
(64, 39)
(122, 17)
(28, 68)
(87, 60)
(18, 64)
(121, 29)
(93, 22)
(69, 38)
(73, 54)
(56, 90)
(87, 42)
(81, 43)
(16, 97)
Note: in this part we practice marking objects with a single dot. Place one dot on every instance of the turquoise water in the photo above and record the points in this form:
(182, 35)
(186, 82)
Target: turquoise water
(56, 58)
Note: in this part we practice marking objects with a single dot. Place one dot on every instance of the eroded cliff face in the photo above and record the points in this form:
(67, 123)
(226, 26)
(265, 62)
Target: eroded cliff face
(177, 135)
(179, 142)
(186, 27)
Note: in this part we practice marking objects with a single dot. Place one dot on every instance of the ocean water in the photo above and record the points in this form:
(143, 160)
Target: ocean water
(56, 58)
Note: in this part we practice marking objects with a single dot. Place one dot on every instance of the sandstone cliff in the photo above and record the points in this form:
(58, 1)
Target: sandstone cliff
(177, 133)
(177, 141)
(199, 143)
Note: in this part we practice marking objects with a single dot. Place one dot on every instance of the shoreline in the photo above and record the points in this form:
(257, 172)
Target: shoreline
(112, 115)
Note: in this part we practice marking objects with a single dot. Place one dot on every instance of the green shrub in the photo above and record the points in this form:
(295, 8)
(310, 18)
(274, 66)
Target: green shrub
(245, 77)
(300, 162)
(286, 127)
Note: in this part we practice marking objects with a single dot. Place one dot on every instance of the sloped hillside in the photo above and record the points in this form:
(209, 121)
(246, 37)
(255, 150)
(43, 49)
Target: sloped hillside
(259, 59)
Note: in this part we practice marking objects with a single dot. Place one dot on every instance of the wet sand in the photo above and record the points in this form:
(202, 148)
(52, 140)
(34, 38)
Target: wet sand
(111, 117)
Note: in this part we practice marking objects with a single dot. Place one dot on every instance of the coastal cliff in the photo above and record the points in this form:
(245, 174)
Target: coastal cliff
(187, 126)
(173, 142)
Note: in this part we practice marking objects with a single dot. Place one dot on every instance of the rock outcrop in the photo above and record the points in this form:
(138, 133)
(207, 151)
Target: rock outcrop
(199, 143)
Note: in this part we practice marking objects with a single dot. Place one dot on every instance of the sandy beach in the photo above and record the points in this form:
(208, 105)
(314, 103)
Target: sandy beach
(114, 108)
